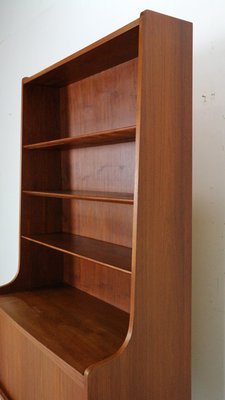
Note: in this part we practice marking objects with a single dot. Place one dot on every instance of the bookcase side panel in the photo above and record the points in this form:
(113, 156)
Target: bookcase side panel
(163, 243)
(154, 363)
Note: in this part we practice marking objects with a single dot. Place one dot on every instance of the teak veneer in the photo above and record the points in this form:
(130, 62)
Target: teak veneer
(100, 307)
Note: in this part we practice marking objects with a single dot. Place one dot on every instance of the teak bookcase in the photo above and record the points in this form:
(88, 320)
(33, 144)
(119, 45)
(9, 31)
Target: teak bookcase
(100, 308)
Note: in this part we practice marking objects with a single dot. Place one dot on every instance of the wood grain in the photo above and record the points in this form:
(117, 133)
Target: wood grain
(111, 168)
(114, 222)
(102, 102)
(38, 215)
(41, 113)
(41, 170)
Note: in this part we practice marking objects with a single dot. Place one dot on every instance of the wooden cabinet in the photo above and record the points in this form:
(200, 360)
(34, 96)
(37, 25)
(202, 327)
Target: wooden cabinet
(100, 308)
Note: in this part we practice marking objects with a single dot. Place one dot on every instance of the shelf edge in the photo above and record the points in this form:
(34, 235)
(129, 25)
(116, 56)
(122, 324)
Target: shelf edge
(74, 196)
(121, 135)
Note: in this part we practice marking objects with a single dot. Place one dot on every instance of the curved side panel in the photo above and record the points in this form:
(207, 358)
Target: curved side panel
(34, 271)
(7, 287)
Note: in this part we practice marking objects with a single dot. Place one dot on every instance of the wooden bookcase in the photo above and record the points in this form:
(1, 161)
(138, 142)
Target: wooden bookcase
(100, 308)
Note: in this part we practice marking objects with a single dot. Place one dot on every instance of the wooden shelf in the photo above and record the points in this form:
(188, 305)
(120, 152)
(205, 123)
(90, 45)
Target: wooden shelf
(114, 49)
(109, 254)
(110, 197)
(75, 326)
(121, 135)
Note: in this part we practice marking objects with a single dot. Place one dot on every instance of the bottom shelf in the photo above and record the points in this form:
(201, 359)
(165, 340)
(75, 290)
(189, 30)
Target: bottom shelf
(75, 326)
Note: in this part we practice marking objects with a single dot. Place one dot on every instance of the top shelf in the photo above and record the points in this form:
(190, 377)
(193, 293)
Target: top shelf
(120, 135)
(116, 48)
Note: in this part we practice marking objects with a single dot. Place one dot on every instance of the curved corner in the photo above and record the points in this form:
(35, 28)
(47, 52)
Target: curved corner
(117, 354)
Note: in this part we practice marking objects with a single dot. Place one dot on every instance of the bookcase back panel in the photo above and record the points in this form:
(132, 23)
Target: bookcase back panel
(110, 222)
(108, 168)
(40, 266)
(104, 168)
(41, 170)
(100, 102)
(40, 215)
(41, 116)
(107, 284)
(98, 220)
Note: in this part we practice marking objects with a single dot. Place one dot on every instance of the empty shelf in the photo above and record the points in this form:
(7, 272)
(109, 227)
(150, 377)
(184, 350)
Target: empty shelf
(105, 253)
(120, 135)
(78, 328)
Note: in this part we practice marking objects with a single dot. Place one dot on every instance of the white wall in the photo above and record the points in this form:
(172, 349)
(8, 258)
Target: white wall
(37, 33)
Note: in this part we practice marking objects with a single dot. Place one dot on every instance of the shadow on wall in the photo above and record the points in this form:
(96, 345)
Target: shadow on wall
(208, 308)
(209, 225)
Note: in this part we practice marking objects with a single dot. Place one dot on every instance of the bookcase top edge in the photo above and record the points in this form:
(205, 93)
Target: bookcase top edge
(60, 64)
(148, 12)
